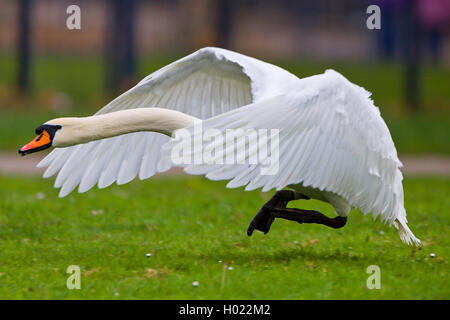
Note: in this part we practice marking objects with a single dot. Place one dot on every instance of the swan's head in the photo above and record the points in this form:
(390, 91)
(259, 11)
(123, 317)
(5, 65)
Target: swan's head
(45, 135)
(64, 132)
(61, 132)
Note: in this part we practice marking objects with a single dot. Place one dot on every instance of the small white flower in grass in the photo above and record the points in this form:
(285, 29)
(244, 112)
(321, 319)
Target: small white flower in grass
(381, 232)
(40, 196)
(432, 255)
(230, 268)
(148, 255)
(195, 283)
(220, 261)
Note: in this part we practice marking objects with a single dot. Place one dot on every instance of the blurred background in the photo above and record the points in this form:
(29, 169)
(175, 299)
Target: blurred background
(48, 70)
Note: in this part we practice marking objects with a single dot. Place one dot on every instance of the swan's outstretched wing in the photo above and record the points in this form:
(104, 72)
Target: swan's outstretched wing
(204, 84)
(331, 137)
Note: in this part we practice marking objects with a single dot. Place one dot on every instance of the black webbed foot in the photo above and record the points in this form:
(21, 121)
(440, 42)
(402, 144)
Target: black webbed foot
(276, 208)
(265, 217)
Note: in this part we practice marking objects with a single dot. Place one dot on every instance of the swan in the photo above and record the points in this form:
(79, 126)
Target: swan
(332, 143)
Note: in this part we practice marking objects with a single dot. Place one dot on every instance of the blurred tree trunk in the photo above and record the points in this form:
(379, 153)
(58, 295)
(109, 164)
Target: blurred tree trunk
(224, 22)
(120, 46)
(412, 56)
(23, 46)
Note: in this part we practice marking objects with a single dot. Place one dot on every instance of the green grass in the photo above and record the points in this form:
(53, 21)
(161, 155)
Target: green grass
(189, 224)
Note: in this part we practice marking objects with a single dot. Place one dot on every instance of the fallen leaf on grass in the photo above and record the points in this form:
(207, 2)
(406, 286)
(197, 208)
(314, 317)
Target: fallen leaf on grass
(87, 273)
(160, 273)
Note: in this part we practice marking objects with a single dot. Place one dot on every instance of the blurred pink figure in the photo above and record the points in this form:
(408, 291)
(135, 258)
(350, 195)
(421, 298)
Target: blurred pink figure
(434, 17)
(434, 13)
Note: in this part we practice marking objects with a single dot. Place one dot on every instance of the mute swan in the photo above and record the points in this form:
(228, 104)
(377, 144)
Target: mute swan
(333, 144)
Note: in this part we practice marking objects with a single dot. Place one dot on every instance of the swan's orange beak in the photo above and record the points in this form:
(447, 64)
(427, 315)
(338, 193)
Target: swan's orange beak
(41, 142)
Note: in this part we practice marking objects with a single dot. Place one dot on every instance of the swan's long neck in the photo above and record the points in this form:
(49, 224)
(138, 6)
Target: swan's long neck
(82, 130)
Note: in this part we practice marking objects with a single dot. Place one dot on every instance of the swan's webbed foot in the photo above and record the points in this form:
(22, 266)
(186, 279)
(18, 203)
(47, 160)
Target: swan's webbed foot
(276, 208)
(264, 218)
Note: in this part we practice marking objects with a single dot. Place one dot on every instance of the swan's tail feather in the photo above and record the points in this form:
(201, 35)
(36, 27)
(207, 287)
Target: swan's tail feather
(405, 233)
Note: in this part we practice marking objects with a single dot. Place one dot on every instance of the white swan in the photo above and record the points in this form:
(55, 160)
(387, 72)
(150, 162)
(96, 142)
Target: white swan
(333, 144)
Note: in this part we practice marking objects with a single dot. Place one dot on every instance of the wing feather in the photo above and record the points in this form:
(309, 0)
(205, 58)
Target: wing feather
(204, 84)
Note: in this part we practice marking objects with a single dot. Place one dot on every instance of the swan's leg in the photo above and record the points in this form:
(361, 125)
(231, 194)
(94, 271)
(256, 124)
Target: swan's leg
(308, 216)
(264, 218)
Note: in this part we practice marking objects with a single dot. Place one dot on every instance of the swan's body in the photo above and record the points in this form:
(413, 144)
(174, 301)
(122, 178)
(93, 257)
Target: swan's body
(334, 145)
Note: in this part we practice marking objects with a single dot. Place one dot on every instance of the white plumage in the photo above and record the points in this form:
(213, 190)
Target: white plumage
(334, 145)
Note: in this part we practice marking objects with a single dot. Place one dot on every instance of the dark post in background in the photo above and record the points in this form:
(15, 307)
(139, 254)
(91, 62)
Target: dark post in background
(23, 47)
(120, 46)
(224, 22)
(411, 56)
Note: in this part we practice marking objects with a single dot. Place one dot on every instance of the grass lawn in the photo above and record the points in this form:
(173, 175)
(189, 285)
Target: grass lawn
(190, 224)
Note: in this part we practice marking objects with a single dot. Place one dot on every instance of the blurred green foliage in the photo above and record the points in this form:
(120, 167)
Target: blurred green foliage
(74, 85)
